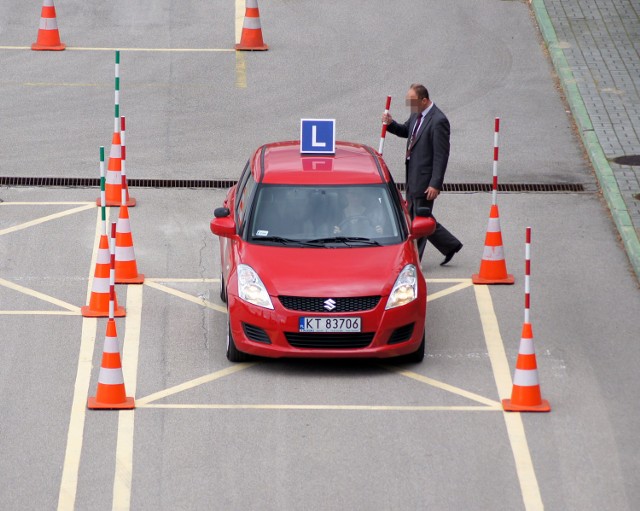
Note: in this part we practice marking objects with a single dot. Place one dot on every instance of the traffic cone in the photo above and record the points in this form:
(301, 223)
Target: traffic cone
(48, 35)
(251, 38)
(493, 268)
(525, 396)
(99, 302)
(126, 266)
(113, 184)
(111, 393)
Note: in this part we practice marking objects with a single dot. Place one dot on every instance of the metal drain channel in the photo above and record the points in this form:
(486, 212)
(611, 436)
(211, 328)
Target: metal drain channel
(79, 182)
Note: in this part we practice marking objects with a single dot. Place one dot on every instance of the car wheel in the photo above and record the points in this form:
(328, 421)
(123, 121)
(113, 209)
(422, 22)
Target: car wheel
(417, 356)
(233, 353)
(223, 289)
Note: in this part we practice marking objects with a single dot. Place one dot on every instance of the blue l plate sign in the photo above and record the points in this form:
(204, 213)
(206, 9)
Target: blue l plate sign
(317, 136)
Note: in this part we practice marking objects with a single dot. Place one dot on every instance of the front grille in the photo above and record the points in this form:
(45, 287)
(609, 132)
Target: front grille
(354, 304)
(255, 333)
(401, 334)
(336, 341)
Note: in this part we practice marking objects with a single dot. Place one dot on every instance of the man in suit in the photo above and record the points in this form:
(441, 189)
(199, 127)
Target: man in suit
(427, 131)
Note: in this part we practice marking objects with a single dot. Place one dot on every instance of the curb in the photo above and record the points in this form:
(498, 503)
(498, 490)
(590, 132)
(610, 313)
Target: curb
(605, 176)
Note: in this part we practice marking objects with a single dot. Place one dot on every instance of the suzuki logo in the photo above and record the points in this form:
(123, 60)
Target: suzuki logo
(329, 304)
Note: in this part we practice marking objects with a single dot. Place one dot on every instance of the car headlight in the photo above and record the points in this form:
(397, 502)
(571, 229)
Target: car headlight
(405, 289)
(251, 289)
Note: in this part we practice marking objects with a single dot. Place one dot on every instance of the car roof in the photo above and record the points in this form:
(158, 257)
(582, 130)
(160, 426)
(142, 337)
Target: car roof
(282, 163)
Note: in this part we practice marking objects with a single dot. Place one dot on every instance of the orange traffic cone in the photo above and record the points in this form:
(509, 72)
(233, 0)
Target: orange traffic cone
(99, 302)
(525, 396)
(126, 266)
(113, 182)
(493, 268)
(251, 38)
(48, 35)
(111, 393)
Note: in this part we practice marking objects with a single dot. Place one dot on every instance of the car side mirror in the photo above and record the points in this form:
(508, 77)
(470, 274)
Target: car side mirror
(422, 226)
(224, 226)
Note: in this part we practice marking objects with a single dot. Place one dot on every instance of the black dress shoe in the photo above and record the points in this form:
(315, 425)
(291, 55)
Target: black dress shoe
(450, 255)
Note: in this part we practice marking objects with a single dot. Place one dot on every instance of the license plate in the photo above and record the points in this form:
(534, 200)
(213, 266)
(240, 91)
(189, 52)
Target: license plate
(330, 324)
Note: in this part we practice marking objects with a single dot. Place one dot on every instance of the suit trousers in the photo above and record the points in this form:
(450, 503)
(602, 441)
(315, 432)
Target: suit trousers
(442, 239)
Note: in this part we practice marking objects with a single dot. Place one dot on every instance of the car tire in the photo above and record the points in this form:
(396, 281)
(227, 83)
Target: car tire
(223, 289)
(417, 356)
(233, 353)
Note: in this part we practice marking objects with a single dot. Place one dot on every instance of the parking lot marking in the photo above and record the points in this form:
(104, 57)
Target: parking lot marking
(193, 383)
(462, 285)
(383, 408)
(445, 386)
(160, 50)
(157, 279)
(126, 418)
(190, 298)
(48, 218)
(75, 435)
(41, 296)
(502, 375)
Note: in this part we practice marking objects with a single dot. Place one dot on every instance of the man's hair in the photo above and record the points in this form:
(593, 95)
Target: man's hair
(420, 90)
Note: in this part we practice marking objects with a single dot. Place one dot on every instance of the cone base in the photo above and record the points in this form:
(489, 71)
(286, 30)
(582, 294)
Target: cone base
(477, 279)
(41, 47)
(109, 203)
(133, 280)
(508, 406)
(87, 312)
(243, 47)
(128, 404)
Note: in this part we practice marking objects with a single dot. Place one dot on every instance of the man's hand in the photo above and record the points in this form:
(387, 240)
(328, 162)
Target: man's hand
(387, 119)
(431, 193)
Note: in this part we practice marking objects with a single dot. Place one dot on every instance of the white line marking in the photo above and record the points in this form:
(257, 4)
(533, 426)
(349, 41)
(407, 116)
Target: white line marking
(40, 313)
(515, 428)
(75, 436)
(46, 219)
(383, 408)
(194, 299)
(193, 383)
(159, 50)
(61, 203)
(158, 279)
(126, 418)
(39, 295)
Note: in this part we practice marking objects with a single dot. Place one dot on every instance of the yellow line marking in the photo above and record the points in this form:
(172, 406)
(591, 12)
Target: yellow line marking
(126, 419)
(241, 70)
(39, 295)
(45, 203)
(75, 435)
(502, 375)
(160, 50)
(445, 386)
(193, 383)
(190, 298)
(447, 280)
(47, 218)
(40, 313)
(158, 279)
(382, 408)
(449, 290)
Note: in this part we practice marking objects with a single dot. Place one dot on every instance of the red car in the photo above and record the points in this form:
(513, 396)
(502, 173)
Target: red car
(318, 258)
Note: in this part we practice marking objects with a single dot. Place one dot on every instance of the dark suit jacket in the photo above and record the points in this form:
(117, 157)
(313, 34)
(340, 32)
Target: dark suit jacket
(429, 153)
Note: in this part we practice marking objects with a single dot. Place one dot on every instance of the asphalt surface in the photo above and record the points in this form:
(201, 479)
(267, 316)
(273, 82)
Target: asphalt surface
(207, 434)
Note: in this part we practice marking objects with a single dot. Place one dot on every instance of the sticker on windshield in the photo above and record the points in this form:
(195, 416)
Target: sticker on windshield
(262, 233)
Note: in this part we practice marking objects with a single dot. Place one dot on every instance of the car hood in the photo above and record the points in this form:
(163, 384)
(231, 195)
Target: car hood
(366, 271)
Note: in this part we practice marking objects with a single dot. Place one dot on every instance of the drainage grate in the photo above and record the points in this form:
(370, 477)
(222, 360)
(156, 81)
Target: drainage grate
(80, 182)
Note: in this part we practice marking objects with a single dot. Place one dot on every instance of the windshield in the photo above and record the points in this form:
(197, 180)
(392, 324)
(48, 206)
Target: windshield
(324, 215)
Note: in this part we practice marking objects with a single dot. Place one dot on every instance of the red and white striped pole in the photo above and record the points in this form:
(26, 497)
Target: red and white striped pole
(112, 271)
(123, 157)
(384, 125)
(527, 275)
(494, 192)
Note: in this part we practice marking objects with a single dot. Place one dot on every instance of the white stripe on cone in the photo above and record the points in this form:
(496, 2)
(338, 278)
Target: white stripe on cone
(104, 257)
(251, 23)
(111, 376)
(526, 377)
(494, 225)
(48, 24)
(526, 347)
(493, 253)
(115, 152)
(114, 177)
(125, 254)
(100, 285)
(111, 345)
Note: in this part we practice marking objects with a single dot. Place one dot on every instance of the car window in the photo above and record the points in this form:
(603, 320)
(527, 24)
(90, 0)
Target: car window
(316, 212)
(241, 184)
(243, 201)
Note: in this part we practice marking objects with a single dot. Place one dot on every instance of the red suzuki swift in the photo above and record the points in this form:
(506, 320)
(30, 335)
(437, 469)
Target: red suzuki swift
(319, 259)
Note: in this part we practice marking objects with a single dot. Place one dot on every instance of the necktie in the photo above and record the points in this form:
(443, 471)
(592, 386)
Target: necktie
(413, 134)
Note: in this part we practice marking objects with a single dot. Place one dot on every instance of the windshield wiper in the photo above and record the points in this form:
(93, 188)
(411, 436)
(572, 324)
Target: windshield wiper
(283, 241)
(347, 240)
